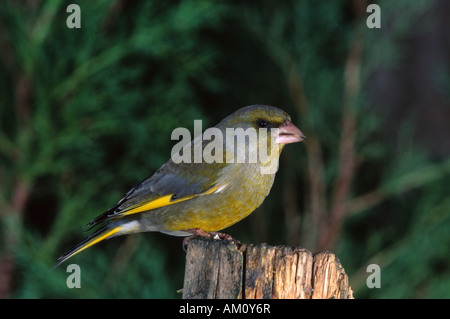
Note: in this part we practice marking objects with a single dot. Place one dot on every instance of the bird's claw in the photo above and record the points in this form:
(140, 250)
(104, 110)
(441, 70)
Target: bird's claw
(201, 233)
(223, 236)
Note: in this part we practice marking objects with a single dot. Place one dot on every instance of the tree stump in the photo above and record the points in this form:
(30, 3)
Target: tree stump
(217, 269)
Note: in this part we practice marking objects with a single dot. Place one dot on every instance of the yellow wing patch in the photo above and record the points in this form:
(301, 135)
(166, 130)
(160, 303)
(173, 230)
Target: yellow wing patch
(167, 200)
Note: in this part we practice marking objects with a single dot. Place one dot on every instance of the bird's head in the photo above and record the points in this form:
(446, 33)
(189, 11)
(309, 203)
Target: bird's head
(259, 133)
(264, 116)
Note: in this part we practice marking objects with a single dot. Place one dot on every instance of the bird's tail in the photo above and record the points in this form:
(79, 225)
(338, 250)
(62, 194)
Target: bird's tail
(101, 234)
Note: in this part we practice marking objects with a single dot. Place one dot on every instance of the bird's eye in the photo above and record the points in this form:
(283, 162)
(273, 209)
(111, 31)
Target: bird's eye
(262, 123)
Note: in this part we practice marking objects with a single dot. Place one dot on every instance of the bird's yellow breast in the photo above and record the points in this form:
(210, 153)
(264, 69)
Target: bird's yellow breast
(220, 210)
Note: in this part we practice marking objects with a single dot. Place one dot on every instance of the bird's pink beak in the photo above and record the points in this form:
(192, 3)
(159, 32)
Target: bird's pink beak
(289, 133)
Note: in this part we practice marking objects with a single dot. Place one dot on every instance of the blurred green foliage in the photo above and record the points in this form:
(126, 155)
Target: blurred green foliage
(87, 113)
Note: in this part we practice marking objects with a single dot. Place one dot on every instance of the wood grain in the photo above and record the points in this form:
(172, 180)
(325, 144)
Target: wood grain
(218, 269)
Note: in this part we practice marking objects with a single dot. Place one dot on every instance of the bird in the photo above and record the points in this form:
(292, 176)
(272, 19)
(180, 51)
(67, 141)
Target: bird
(201, 198)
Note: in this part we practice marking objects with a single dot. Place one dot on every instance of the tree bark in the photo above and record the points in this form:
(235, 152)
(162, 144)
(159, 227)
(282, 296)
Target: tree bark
(217, 269)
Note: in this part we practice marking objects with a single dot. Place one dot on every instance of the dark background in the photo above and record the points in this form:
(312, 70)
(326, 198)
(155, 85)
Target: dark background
(87, 113)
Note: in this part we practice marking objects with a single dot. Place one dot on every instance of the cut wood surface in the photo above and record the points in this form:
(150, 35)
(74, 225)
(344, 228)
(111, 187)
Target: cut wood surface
(226, 269)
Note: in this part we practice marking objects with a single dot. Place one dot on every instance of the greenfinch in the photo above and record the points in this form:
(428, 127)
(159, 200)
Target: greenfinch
(192, 197)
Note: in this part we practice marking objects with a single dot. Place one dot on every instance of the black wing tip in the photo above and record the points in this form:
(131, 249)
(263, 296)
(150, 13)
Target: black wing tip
(60, 260)
(71, 252)
(67, 255)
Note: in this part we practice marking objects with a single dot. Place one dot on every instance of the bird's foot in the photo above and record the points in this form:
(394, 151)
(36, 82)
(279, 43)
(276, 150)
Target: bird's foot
(223, 236)
(201, 233)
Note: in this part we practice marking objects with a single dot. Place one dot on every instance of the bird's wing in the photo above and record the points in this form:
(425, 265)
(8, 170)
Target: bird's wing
(171, 184)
